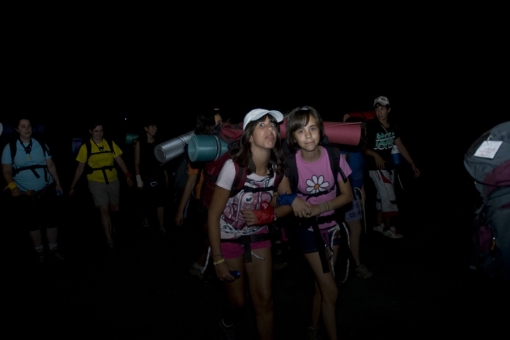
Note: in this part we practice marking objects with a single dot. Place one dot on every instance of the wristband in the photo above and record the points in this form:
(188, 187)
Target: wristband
(219, 261)
(265, 214)
(127, 174)
(285, 199)
(12, 185)
(139, 181)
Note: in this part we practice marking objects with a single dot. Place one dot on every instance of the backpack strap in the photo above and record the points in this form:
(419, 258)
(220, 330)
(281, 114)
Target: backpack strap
(334, 160)
(103, 168)
(16, 170)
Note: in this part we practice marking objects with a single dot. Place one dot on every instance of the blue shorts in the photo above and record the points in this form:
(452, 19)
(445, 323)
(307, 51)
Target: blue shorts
(306, 238)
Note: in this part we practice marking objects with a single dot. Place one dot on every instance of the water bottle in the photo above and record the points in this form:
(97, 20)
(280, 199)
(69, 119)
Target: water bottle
(395, 155)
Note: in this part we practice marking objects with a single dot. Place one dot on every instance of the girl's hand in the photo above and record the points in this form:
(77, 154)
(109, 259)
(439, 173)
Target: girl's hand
(15, 192)
(301, 208)
(379, 162)
(179, 218)
(223, 272)
(249, 216)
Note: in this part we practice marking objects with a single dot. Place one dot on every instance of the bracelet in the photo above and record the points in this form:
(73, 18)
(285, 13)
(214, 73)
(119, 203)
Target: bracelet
(217, 255)
(219, 261)
(127, 174)
(12, 185)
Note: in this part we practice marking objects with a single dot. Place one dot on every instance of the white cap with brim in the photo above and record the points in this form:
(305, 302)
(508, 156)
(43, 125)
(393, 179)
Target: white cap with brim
(381, 100)
(256, 114)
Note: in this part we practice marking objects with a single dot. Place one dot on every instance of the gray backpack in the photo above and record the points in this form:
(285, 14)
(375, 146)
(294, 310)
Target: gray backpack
(488, 162)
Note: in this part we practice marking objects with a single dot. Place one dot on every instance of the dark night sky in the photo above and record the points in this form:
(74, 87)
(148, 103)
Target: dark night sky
(444, 93)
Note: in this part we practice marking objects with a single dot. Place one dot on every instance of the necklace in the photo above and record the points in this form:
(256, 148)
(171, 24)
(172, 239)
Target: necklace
(27, 148)
(101, 148)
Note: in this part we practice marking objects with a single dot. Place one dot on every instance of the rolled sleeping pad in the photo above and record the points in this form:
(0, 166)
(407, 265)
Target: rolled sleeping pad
(130, 137)
(348, 133)
(206, 148)
(172, 148)
(366, 115)
(203, 148)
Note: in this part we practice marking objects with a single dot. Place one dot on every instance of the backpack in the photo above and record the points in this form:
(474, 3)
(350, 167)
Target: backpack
(487, 161)
(225, 136)
(16, 170)
(343, 259)
(88, 168)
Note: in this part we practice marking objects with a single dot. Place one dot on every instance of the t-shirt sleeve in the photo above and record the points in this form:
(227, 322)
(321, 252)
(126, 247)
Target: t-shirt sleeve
(82, 153)
(6, 155)
(117, 151)
(226, 176)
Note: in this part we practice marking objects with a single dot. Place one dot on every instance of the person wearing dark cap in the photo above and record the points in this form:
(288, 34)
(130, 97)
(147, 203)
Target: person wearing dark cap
(383, 138)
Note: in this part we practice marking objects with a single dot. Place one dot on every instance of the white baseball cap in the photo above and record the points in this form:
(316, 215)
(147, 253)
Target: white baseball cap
(256, 114)
(382, 100)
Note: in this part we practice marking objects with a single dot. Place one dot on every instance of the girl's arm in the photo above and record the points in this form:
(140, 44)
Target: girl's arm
(7, 172)
(77, 176)
(52, 169)
(188, 188)
(403, 151)
(300, 207)
(344, 198)
(124, 168)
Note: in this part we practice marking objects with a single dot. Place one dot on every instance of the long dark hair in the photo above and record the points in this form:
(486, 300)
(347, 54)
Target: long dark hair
(298, 118)
(241, 151)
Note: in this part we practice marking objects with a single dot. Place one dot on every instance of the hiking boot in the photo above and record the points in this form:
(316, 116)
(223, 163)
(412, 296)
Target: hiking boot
(392, 233)
(145, 222)
(57, 255)
(313, 333)
(196, 270)
(363, 272)
(227, 333)
(379, 228)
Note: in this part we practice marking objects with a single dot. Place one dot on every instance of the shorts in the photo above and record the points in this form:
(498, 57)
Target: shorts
(231, 250)
(38, 211)
(384, 181)
(103, 193)
(306, 238)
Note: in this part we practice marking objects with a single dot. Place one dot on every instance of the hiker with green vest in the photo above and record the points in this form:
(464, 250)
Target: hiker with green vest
(97, 155)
